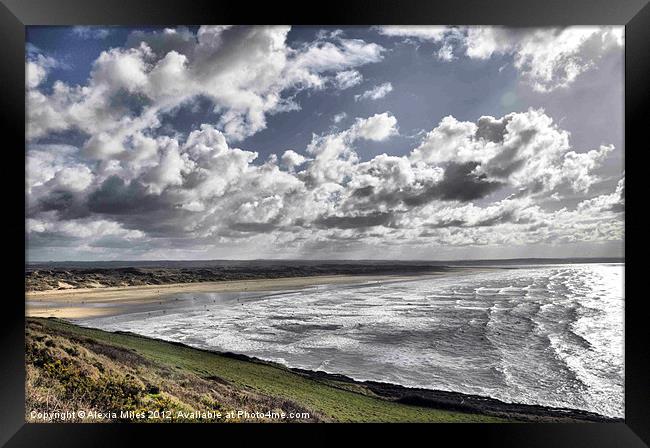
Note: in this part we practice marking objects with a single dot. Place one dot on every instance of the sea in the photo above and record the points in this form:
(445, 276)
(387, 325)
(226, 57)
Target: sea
(548, 334)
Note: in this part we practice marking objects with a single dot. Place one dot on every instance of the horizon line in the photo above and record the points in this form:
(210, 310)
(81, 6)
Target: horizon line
(328, 259)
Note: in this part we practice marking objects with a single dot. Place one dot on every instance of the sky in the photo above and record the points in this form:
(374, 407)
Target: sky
(383, 142)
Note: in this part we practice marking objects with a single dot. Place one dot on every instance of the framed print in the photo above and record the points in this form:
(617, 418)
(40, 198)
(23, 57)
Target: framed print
(374, 214)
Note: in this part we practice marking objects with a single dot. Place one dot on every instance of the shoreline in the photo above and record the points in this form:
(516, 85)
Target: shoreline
(458, 401)
(82, 303)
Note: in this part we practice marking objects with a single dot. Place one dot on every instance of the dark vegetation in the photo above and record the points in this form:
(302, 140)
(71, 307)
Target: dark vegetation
(68, 372)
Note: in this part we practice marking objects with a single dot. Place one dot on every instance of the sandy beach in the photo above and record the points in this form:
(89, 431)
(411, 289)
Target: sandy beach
(100, 302)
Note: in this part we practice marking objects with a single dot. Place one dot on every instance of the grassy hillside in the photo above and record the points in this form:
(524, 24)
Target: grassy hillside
(70, 368)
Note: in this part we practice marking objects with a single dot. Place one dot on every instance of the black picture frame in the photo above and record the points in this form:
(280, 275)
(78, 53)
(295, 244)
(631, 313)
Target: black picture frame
(15, 15)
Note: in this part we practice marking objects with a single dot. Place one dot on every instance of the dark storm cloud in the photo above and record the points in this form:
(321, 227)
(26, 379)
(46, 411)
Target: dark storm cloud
(460, 183)
(67, 205)
(491, 129)
(115, 197)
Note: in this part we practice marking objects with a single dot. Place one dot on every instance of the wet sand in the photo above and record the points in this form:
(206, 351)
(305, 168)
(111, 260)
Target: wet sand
(101, 302)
